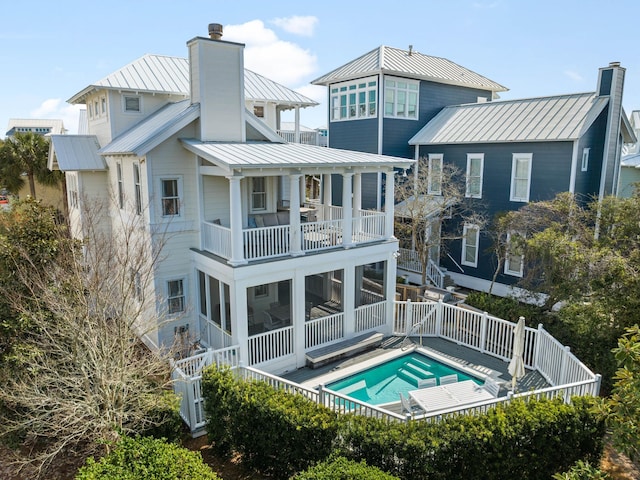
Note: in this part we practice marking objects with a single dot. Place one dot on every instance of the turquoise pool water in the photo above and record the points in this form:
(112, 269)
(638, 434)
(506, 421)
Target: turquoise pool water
(383, 383)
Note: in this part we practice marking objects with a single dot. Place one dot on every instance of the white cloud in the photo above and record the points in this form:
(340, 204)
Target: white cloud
(266, 54)
(297, 25)
(56, 108)
(574, 75)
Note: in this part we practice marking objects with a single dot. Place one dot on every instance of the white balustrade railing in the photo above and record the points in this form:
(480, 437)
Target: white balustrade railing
(368, 317)
(434, 274)
(410, 260)
(266, 242)
(270, 345)
(217, 239)
(368, 227)
(215, 336)
(321, 235)
(324, 330)
(305, 138)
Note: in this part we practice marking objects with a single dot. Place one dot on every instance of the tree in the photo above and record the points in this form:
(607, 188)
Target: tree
(81, 377)
(425, 202)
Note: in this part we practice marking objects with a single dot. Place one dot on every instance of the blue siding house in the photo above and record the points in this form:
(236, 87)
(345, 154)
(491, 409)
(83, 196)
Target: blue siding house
(521, 150)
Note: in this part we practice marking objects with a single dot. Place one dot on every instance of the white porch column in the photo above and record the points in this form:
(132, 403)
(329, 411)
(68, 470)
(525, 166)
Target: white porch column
(347, 210)
(348, 297)
(297, 127)
(294, 215)
(326, 196)
(357, 194)
(299, 317)
(240, 319)
(390, 292)
(237, 241)
(388, 204)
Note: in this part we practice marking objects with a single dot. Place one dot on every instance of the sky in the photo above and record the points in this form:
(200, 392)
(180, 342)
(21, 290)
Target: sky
(49, 51)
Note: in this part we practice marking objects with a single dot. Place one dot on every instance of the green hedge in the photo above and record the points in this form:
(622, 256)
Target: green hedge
(146, 458)
(506, 308)
(340, 468)
(281, 434)
(522, 440)
(275, 432)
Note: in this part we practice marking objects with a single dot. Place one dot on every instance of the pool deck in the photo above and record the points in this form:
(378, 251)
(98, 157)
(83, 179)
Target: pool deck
(468, 359)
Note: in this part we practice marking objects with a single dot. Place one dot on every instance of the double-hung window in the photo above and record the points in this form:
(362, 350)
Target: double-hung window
(401, 98)
(434, 179)
(175, 296)
(520, 177)
(120, 185)
(475, 167)
(514, 261)
(137, 188)
(72, 186)
(354, 100)
(258, 194)
(170, 197)
(470, 243)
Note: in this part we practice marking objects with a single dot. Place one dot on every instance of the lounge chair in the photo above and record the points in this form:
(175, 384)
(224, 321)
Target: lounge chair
(407, 406)
(427, 382)
(491, 386)
(453, 378)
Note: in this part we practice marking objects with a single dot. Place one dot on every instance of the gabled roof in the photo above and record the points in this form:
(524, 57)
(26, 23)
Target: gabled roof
(169, 120)
(264, 155)
(556, 118)
(75, 153)
(153, 130)
(170, 75)
(56, 126)
(631, 161)
(393, 61)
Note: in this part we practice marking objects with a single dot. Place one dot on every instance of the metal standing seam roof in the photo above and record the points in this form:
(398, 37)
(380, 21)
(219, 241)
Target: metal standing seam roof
(390, 60)
(170, 75)
(230, 155)
(148, 133)
(57, 126)
(556, 118)
(632, 161)
(76, 153)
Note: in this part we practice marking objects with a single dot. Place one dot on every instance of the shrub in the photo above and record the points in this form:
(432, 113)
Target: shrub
(146, 458)
(521, 440)
(582, 471)
(507, 308)
(276, 433)
(340, 468)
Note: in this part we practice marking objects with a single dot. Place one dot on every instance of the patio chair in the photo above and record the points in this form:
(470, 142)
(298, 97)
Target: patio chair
(427, 382)
(407, 406)
(270, 323)
(491, 386)
(453, 378)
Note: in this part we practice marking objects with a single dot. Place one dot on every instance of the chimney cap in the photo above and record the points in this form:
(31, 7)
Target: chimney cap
(614, 64)
(215, 31)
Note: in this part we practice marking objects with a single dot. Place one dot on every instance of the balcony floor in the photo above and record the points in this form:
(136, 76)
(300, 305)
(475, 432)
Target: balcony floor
(481, 363)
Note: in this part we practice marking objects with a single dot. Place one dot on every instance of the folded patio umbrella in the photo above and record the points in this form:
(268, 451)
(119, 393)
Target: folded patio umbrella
(516, 366)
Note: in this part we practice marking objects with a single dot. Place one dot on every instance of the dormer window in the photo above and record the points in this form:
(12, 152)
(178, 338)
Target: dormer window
(132, 103)
(354, 100)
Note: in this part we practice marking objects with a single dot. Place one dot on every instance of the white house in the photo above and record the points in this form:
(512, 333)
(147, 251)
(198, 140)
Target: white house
(179, 144)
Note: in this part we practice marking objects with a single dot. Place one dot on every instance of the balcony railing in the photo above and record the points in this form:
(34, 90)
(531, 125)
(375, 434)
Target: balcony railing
(306, 138)
(272, 242)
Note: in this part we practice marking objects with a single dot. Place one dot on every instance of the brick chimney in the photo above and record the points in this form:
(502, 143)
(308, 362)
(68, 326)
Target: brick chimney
(216, 70)
(611, 84)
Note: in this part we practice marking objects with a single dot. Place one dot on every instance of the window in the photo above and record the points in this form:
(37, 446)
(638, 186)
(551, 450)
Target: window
(258, 111)
(132, 103)
(258, 194)
(89, 109)
(72, 187)
(475, 167)
(103, 102)
(434, 181)
(470, 238)
(120, 185)
(514, 261)
(401, 98)
(354, 100)
(136, 279)
(585, 159)
(95, 108)
(170, 197)
(175, 296)
(137, 188)
(520, 177)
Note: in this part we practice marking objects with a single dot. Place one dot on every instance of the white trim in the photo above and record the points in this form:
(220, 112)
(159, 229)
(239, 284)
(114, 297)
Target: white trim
(584, 165)
(179, 183)
(433, 157)
(137, 189)
(470, 157)
(184, 296)
(124, 104)
(518, 157)
(507, 266)
(463, 255)
(412, 87)
(353, 90)
(120, 184)
(574, 167)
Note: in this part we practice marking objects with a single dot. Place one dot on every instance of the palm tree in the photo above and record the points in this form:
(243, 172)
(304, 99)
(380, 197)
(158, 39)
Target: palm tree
(25, 154)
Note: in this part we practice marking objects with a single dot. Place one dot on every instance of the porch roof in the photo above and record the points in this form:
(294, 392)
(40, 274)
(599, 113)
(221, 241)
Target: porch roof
(263, 155)
(75, 153)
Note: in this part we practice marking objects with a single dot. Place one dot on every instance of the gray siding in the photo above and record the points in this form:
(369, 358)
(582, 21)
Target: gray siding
(358, 135)
(588, 183)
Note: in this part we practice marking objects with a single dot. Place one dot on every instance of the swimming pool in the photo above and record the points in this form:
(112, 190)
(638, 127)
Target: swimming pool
(384, 382)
